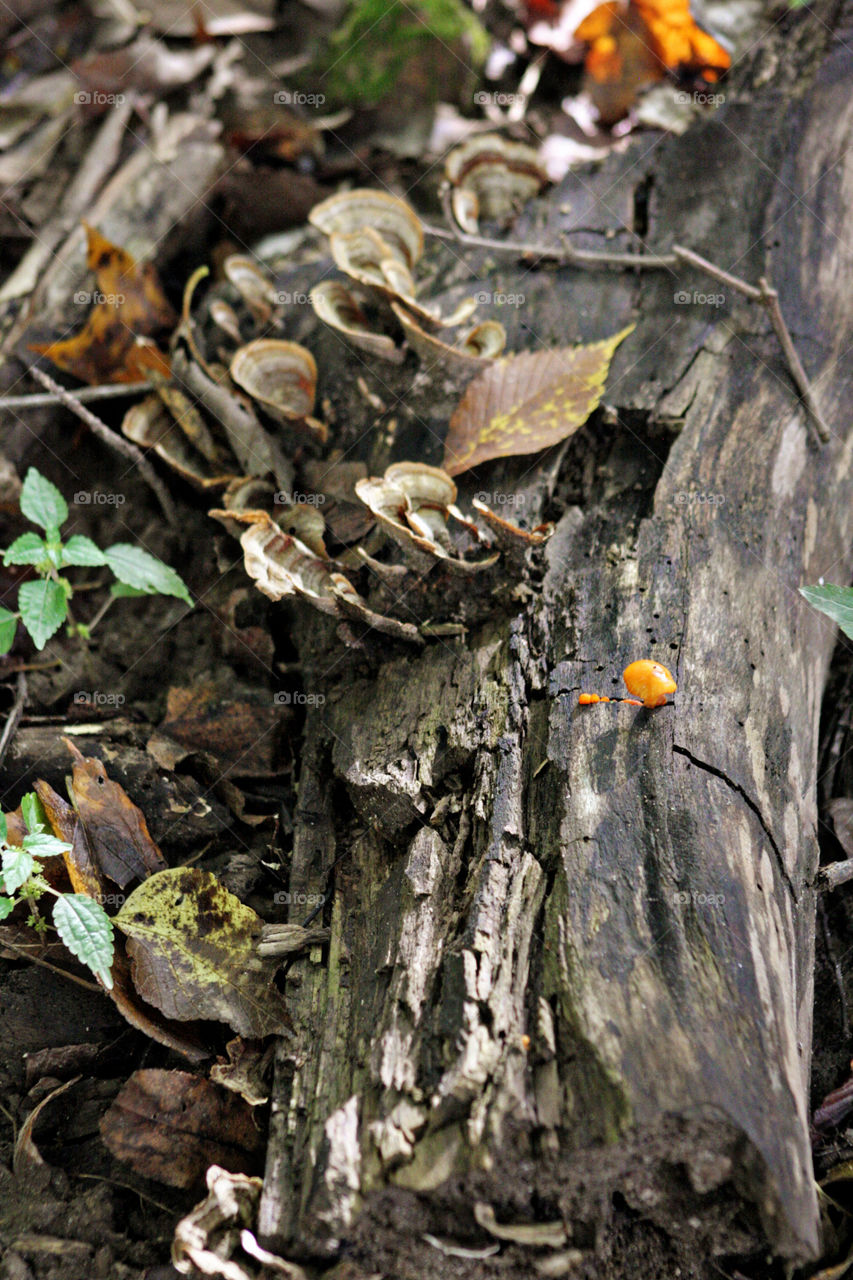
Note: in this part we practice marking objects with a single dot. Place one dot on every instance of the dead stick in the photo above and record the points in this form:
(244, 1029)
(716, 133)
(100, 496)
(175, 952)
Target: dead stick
(767, 296)
(14, 717)
(113, 441)
(109, 391)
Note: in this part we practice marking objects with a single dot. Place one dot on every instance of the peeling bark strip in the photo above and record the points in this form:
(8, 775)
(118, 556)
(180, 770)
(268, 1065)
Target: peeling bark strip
(571, 948)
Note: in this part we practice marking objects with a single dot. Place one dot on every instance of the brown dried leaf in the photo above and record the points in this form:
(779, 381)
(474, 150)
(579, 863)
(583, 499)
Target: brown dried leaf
(170, 1126)
(243, 735)
(525, 403)
(117, 833)
(114, 344)
(193, 951)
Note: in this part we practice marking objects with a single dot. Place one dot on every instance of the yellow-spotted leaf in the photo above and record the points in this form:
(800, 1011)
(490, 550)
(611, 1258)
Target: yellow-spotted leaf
(527, 402)
(193, 950)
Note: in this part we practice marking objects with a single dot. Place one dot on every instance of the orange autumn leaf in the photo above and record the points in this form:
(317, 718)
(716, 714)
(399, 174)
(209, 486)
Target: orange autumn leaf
(115, 343)
(636, 43)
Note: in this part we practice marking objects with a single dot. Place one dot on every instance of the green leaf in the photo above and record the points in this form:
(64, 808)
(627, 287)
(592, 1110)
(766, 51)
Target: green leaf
(8, 627)
(42, 502)
(86, 929)
(42, 845)
(17, 868)
(44, 608)
(835, 602)
(32, 811)
(7, 906)
(30, 548)
(137, 568)
(4, 830)
(82, 551)
(120, 590)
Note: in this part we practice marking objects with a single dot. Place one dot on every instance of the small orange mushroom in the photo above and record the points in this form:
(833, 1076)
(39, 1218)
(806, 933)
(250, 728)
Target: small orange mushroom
(648, 681)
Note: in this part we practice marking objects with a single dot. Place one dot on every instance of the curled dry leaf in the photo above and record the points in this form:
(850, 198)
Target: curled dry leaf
(193, 952)
(246, 1071)
(114, 344)
(525, 403)
(491, 179)
(116, 830)
(171, 1126)
(339, 309)
(282, 378)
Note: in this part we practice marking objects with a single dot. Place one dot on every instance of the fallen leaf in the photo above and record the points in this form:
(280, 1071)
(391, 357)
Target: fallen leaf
(170, 1126)
(184, 1037)
(527, 402)
(246, 1071)
(130, 307)
(633, 45)
(193, 951)
(116, 830)
(83, 871)
(243, 735)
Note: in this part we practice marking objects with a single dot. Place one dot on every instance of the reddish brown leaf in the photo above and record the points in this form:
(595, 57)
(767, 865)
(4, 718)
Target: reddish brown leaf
(244, 735)
(117, 833)
(83, 871)
(115, 344)
(527, 402)
(170, 1126)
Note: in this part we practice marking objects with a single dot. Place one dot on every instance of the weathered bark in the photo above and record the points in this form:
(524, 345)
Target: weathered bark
(572, 949)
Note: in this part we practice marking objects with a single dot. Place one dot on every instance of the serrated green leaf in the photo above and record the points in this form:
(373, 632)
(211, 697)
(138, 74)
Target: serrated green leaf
(82, 551)
(44, 608)
(835, 602)
(120, 591)
(42, 845)
(137, 568)
(32, 812)
(87, 932)
(4, 829)
(18, 866)
(30, 548)
(8, 627)
(42, 502)
(7, 906)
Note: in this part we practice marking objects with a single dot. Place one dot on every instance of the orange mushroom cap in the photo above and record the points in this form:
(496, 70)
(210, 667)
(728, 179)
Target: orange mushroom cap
(649, 681)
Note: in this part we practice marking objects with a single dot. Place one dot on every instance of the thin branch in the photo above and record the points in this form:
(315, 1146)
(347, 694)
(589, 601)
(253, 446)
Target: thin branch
(114, 441)
(110, 391)
(565, 254)
(14, 717)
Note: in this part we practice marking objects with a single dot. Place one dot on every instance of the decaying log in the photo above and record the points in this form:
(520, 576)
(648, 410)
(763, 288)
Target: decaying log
(569, 974)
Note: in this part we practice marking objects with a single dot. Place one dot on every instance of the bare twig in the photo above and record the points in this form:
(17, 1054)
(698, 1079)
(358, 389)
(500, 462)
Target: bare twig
(114, 441)
(14, 717)
(110, 391)
(54, 968)
(565, 254)
(836, 873)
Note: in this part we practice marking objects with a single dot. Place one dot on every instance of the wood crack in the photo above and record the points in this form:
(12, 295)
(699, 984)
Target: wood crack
(735, 786)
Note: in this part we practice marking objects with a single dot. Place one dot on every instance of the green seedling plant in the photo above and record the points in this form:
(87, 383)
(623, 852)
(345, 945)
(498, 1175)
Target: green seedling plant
(44, 604)
(81, 922)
